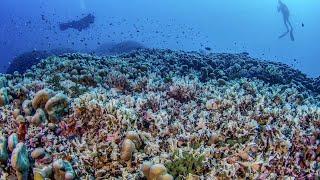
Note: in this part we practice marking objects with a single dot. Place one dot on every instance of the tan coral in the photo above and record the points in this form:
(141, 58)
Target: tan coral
(27, 107)
(38, 153)
(4, 98)
(39, 117)
(12, 141)
(165, 177)
(20, 161)
(41, 98)
(146, 168)
(20, 119)
(127, 150)
(134, 137)
(156, 172)
(57, 106)
(42, 173)
(16, 113)
(63, 170)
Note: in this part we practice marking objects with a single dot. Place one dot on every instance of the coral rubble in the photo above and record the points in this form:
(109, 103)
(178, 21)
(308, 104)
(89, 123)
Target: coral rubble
(159, 114)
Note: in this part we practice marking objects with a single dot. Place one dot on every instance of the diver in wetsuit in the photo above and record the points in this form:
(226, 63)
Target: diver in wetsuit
(285, 13)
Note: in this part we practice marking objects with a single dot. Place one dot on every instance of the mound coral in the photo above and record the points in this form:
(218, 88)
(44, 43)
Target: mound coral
(4, 98)
(3, 82)
(41, 97)
(27, 107)
(12, 141)
(63, 170)
(127, 150)
(44, 172)
(3, 149)
(156, 171)
(38, 153)
(39, 117)
(57, 106)
(20, 161)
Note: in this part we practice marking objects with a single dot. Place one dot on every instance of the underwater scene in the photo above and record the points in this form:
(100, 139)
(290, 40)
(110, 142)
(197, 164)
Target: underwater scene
(159, 89)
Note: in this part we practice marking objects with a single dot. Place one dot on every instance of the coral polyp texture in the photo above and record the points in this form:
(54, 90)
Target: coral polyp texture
(159, 114)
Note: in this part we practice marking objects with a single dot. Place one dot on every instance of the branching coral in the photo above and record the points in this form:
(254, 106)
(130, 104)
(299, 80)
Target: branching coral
(183, 91)
(185, 163)
(119, 81)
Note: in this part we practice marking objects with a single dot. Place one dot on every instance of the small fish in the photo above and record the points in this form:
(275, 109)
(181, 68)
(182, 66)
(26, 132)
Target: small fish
(208, 48)
(302, 24)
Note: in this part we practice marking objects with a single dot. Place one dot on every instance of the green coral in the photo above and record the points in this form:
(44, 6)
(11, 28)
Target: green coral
(185, 163)
(54, 81)
(3, 82)
(4, 98)
(4, 156)
(20, 161)
(168, 79)
(77, 90)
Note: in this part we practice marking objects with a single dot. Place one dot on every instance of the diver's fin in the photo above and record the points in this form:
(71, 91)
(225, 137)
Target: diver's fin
(291, 35)
(283, 35)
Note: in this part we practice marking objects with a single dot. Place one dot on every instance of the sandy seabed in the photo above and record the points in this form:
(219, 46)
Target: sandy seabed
(159, 115)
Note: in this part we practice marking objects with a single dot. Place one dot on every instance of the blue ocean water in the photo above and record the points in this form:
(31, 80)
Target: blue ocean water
(223, 25)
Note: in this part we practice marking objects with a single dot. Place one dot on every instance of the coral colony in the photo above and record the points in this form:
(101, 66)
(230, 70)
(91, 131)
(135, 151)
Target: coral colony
(159, 115)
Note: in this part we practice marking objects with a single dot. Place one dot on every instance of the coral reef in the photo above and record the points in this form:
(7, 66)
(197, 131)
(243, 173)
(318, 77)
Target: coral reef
(159, 114)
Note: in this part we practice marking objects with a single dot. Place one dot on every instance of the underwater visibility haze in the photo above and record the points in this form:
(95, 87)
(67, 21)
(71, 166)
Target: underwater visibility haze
(159, 90)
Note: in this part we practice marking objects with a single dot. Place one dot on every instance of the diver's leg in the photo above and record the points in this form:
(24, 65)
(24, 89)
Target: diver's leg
(291, 31)
(285, 21)
(288, 22)
(287, 28)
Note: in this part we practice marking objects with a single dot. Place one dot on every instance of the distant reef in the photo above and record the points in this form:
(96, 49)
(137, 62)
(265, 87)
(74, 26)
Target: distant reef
(80, 24)
(222, 66)
(118, 48)
(25, 60)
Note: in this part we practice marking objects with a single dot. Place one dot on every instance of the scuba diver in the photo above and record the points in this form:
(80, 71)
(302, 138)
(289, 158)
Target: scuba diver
(285, 13)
